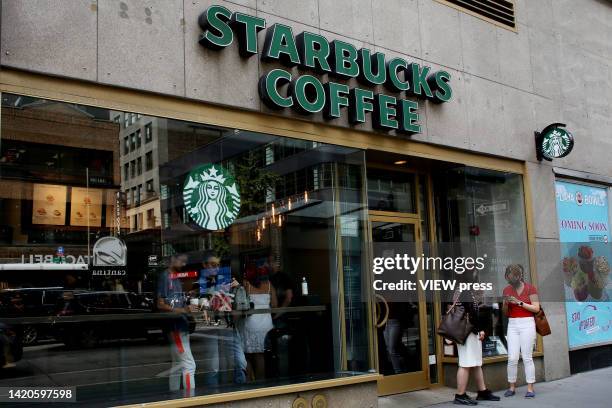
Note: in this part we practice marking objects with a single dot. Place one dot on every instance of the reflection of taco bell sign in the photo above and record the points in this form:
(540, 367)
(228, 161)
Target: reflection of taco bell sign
(211, 197)
(109, 251)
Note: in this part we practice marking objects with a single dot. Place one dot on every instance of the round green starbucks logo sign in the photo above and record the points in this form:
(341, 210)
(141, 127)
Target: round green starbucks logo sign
(556, 142)
(211, 197)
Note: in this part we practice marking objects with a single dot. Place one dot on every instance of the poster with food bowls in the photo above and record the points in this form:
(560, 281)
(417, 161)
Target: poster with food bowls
(49, 204)
(86, 204)
(584, 229)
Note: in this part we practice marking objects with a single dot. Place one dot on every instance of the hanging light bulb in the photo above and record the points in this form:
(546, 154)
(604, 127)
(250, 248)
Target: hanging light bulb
(258, 233)
(263, 223)
(289, 204)
(273, 211)
(280, 220)
(306, 196)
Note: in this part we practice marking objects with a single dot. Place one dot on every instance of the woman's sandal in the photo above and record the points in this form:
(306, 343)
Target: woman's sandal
(509, 393)
(530, 394)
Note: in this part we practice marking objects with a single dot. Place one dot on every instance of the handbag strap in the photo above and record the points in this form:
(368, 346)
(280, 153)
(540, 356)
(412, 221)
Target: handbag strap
(456, 297)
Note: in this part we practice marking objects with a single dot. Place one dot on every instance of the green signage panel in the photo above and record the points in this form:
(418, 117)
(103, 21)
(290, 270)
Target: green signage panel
(307, 94)
(554, 142)
(211, 197)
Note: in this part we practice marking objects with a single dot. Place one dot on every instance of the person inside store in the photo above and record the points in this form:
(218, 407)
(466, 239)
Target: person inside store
(257, 325)
(228, 345)
(470, 353)
(521, 303)
(402, 315)
(171, 299)
(213, 277)
(284, 289)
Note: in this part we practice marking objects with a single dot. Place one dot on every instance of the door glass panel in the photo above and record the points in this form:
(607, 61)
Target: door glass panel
(399, 340)
(389, 191)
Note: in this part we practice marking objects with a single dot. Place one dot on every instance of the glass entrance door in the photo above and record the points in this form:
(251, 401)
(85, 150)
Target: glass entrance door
(401, 327)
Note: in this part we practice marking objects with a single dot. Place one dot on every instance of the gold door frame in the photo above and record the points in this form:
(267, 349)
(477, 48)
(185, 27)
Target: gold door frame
(398, 383)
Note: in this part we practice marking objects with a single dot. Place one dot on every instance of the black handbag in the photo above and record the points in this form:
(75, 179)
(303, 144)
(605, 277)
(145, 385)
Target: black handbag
(455, 324)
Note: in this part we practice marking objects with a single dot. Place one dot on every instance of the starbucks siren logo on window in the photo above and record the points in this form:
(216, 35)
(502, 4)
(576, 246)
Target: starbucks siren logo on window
(557, 143)
(211, 197)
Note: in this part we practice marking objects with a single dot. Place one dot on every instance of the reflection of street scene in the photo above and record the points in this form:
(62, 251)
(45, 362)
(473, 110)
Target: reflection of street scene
(122, 335)
(171, 298)
(130, 365)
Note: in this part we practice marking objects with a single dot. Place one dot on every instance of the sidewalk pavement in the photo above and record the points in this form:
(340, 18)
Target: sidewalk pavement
(592, 389)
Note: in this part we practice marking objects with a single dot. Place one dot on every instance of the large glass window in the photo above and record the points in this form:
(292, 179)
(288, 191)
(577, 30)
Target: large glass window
(148, 133)
(391, 191)
(247, 270)
(481, 213)
(149, 161)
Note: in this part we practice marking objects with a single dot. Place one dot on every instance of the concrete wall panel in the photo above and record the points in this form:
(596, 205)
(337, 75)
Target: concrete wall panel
(542, 187)
(514, 58)
(539, 14)
(545, 65)
(130, 34)
(479, 45)
(447, 123)
(50, 36)
(441, 34)
(350, 18)
(551, 294)
(302, 11)
(396, 26)
(519, 123)
(485, 129)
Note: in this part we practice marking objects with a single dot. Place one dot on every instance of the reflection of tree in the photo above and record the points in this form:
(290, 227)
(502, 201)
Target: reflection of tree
(220, 245)
(253, 183)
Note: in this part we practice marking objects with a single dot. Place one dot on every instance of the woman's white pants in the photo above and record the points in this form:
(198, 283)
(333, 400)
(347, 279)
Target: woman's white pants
(521, 339)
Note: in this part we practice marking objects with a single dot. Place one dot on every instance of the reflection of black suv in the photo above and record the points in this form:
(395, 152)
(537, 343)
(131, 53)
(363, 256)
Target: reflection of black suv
(32, 302)
(86, 318)
(10, 342)
(11, 309)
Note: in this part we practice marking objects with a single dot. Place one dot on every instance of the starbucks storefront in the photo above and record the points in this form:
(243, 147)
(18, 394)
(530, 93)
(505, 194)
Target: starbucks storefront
(179, 252)
(193, 206)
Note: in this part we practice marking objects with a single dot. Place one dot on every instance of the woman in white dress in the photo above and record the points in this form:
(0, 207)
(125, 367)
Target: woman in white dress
(470, 353)
(257, 325)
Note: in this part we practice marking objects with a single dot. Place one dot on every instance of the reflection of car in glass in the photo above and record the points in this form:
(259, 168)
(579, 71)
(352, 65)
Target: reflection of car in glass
(11, 348)
(11, 309)
(86, 318)
(32, 302)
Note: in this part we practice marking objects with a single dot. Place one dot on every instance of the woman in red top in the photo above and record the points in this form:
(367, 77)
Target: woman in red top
(521, 303)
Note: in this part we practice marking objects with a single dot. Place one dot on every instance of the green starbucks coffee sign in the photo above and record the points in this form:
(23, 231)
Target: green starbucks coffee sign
(211, 197)
(307, 94)
(554, 142)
